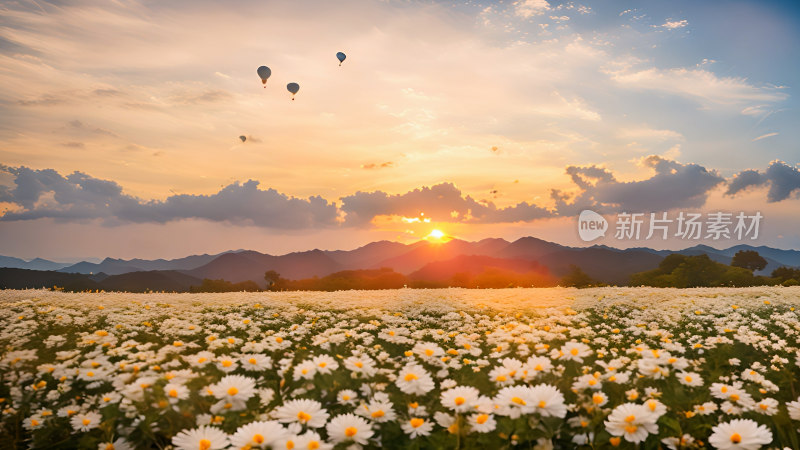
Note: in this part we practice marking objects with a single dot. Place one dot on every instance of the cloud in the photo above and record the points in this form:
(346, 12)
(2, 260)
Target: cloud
(43, 100)
(674, 185)
(783, 181)
(205, 96)
(384, 165)
(78, 196)
(673, 24)
(698, 84)
(764, 136)
(441, 202)
(530, 8)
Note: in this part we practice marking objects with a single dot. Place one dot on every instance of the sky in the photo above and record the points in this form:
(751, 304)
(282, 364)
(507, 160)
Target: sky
(121, 121)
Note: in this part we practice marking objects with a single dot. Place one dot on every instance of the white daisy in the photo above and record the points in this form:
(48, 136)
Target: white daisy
(200, 438)
(740, 434)
(349, 427)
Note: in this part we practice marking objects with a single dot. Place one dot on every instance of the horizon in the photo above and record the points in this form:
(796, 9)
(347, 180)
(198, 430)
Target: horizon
(483, 119)
(99, 259)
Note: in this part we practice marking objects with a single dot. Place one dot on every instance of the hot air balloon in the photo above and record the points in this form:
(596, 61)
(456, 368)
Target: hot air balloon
(293, 88)
(264, 73)
(340, 56)
(243, 138)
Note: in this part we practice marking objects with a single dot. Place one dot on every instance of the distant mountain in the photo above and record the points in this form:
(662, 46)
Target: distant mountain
(427, 252)
(529, 248)
(420, 260)
(368, 255)
(113, 266)
(34, 264)
(606, 265)
(725, 256)
(251, 265)
(108, 266)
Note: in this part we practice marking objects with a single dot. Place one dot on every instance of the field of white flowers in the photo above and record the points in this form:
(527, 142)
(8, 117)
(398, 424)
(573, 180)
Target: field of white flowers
(514, 368)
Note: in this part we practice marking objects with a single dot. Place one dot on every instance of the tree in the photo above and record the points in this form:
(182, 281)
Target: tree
(784, 273)
(749, 259)
(576, 277)
(274, 280)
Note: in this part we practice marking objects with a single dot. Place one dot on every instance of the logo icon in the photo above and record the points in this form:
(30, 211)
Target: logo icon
(591, 225)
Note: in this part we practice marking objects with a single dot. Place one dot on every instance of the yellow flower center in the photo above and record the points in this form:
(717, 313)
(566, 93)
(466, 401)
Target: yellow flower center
(350, 431)
(173, 393)
(482, 418)
(86, 422)
(459, 401)
(417, 422)
(303, 416)
(574, 352)
(518, 401)
(232, 390)
(313, 445)
(630, 418)
(227, 363)
(378, 413)
(258, 439)
(411, 377)
(631, 429)
(736, 438)
(252, 361)
(205, 444)
(428, 352)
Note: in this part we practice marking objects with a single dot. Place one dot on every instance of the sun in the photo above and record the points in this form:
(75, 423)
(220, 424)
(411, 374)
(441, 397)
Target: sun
(436, 235)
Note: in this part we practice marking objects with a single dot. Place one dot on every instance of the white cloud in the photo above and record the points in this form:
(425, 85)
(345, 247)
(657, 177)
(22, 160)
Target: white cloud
(648, 133)
(764, 136)
(699, 84)
(530, 8)
(673, 24)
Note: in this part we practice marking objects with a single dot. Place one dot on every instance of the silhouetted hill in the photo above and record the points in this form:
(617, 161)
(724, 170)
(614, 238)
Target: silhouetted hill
(250, 265)
(418, 260)
(725, 256)
(352, 279)
(427, 252)
(152, 280)
(529, 248)
(473, 265)
(368, 255)
(12, 278)
(608, 266)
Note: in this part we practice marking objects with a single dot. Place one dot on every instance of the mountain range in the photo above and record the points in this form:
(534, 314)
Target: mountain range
(419, 260)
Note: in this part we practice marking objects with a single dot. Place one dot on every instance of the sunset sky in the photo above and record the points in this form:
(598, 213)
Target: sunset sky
(121, 121)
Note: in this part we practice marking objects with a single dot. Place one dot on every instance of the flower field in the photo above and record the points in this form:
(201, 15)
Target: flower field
(514, 368)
